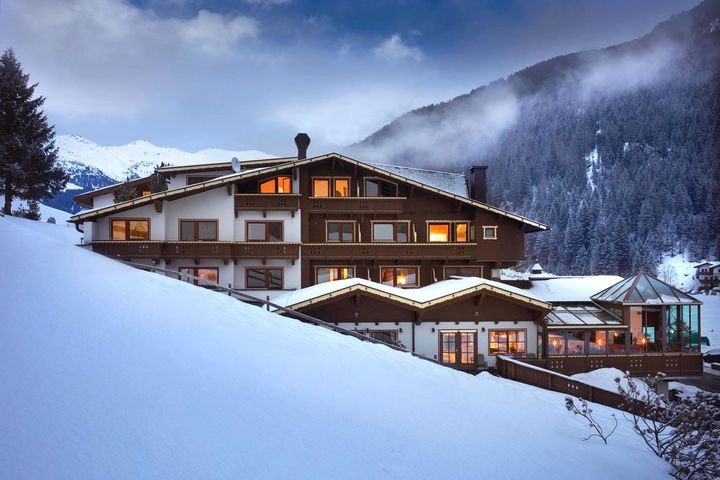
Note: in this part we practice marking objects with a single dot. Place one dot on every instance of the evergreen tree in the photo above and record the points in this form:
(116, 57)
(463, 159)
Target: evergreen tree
(28, 168)
(126, 192)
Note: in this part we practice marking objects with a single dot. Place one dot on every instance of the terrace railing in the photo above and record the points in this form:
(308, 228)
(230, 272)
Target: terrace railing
(175, 250)
(388, 251)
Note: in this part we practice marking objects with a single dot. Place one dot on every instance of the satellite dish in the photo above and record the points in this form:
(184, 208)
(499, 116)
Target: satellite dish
(235, 165)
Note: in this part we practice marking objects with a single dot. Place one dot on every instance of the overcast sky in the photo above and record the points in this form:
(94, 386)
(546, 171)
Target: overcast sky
(249, 74)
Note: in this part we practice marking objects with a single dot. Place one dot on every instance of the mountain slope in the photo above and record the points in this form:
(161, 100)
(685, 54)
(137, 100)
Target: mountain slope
(93, 166)
(109, 372)
(617, 149)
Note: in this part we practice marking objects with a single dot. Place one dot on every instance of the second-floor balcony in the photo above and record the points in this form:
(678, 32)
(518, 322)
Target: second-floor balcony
(289, 202)
(357, 204)
(388, 251)
(220, 250)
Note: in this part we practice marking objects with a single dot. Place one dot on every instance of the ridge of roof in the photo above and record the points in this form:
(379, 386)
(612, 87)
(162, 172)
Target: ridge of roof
(422, 297)
(416, 168)
(220, 181)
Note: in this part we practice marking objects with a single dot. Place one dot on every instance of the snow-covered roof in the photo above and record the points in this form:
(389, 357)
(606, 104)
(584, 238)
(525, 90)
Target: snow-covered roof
(454, 183)
(417, 297)
(570, 289)
(641, 289)
(530, 225)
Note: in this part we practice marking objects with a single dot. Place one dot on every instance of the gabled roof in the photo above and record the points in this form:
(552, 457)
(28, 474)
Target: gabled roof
(82, 199)
(209, 167)
(419, 298)
(455, 183)
(644, 289)
(530, 225)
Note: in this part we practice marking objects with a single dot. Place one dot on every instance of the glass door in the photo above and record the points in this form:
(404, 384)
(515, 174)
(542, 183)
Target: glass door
(458, 348)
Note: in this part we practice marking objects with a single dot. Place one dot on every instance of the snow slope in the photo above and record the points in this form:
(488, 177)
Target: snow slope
(109, 372)
(710, 319)
(46, 211)
(139, 158)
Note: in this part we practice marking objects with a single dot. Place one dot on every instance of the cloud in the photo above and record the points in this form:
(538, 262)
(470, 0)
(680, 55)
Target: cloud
(107, 56)
(394, 50)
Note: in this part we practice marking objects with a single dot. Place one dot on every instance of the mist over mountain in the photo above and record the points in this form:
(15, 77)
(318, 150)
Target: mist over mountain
(93, 166)
(617, 150)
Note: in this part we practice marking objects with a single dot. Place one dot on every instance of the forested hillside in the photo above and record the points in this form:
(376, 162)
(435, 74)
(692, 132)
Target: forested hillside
(617, 150)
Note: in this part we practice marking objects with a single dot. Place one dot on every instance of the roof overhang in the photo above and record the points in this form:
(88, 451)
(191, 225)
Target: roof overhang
(529, 225)
(84, 198)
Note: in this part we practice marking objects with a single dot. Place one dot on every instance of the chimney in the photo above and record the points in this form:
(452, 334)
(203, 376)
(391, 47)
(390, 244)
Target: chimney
(302, 141)
(476, 178)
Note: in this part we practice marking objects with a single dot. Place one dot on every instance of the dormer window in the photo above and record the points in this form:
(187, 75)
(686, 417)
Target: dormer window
(280, 184)
(376, 187)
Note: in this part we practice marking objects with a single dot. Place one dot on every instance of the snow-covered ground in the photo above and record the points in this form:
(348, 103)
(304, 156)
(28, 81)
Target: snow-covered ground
(678, 271)
(46, 212)
(109, 372)
(710, 319)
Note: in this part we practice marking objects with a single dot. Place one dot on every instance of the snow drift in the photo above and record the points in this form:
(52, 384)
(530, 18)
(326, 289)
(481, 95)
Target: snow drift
(108, 372)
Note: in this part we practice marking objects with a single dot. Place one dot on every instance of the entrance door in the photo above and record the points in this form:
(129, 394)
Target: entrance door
(458, 348)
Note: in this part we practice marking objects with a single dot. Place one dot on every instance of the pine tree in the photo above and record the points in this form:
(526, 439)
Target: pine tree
(28, 156)
(126, 192)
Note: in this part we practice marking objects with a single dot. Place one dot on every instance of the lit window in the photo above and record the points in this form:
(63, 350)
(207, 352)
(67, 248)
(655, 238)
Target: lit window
(448, 232)
(399, 276)
(130, 229)
(209, 274)
(145, 193)
(195, 230)
(264, 278)
(331, 187)
(510, 342)
(321, 187)
(489, 233)
(374, 187)
(439, 232)
(458, 348)
(276, 185)
(264, 231)
(330, 274)
(340, 231)
(390, 231)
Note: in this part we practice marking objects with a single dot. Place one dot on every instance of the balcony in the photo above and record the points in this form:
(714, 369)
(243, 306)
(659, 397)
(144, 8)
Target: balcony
(356, 204)
(267, 202)
(221, 250)
(389, 251)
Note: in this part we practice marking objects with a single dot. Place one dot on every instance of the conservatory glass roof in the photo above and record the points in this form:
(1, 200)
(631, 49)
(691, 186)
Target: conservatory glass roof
(643, 289)
(585, 315)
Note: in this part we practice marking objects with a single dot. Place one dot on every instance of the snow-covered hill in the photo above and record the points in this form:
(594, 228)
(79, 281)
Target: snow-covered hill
(109, 372)
(93, 166)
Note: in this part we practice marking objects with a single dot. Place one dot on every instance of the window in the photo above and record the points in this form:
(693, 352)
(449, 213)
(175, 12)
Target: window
(145, 193)
(205, 273)
(198, 230)
(556, 343)
(399, 276)
(387, 336)
(448, 232)
(458, 348)
(331, 187)
(390, 231)
(330, 274)
(510, 342)
(130, 229)
(489, 232)
(276, 185)
(192, 180)
(375, 187)
(463, 271)
(340, 231)
(265, 278)
(264, 231)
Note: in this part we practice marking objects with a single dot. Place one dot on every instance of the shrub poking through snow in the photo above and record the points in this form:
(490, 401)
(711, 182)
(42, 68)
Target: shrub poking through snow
(585, 411)
(686, 433)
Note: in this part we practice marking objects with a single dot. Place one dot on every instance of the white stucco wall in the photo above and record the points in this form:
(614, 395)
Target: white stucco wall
(104, 200)
(214, 204)
(180, 179)
(101, 228)
(427, 341)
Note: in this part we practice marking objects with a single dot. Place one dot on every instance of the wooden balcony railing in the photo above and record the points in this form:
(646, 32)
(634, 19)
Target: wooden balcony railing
(388, 251)
(357, 204)
(267, 202)
(221, 250)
